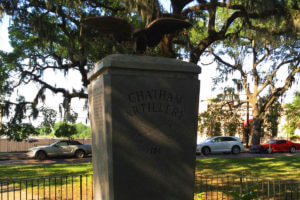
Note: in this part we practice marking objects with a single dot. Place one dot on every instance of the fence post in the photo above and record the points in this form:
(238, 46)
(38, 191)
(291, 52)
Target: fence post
(292, 189)
(268, 189)
(80, 187)
(241, 185)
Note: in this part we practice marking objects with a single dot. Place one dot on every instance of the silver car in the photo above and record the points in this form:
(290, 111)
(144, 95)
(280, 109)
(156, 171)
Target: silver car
(60, 148)
(221, 144)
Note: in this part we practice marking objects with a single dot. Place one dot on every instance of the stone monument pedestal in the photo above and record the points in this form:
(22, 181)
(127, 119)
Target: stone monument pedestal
(143, 113)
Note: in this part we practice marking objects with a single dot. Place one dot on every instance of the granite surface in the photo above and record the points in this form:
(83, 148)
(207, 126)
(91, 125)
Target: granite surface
(143, 113)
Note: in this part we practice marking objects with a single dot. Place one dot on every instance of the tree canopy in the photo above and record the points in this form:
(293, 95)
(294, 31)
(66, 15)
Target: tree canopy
(261, 64)
(64, 129)
(47, 35)
(82, 131)
(292, 113)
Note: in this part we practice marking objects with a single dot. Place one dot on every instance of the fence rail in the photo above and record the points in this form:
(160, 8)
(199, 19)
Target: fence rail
(223, 187)
(46, 188)
(209, 187)
(13, 146)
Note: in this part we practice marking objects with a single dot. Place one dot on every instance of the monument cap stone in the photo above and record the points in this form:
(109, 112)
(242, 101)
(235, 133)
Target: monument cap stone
(142, 63)
(143, 113)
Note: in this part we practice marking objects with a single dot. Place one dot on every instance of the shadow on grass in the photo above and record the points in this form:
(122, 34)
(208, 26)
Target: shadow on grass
(277, 167)
(12, 172)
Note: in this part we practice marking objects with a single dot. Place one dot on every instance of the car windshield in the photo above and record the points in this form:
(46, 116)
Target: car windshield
(210, 139)
(74, 143)
(53, 144)
(271, 142)
(59, 143)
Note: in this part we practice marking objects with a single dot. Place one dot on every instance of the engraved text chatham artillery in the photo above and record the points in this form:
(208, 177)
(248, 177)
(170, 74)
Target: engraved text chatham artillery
(156, 101)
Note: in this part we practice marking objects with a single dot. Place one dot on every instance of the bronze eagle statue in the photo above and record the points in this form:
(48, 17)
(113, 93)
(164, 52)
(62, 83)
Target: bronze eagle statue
(151, 35)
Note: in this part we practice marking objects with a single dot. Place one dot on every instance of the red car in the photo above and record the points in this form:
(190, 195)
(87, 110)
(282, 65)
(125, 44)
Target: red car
(275, 146)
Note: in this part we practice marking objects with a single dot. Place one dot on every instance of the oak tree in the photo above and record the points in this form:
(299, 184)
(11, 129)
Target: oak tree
(48, 35)
(267, 68)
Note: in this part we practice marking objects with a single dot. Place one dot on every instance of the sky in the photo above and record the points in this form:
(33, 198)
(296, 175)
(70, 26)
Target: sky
(73, 80)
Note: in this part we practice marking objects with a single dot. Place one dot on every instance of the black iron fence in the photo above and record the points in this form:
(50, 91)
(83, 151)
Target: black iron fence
(223, 187)
(46, 188)
(209, 187)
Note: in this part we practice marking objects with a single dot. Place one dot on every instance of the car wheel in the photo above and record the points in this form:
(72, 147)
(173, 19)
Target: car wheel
(292, 149)
(79, 154)
(269, 150)
(235, 150)
(40, 155)
(205, 151)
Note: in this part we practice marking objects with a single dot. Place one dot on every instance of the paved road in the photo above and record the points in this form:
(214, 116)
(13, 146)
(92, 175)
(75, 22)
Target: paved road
(247, 154)
(45, 162)
(20, 159)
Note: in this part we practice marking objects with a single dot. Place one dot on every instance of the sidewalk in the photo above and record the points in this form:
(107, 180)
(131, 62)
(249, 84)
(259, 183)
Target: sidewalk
(13, 155)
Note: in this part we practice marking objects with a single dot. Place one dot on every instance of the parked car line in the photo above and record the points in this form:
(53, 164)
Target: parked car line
(275, 146)
(220, 144)
(60, 148)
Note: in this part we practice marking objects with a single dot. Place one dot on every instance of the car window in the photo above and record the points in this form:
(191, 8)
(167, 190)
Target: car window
(228, 139)
(281, 142)
(271, 142)
(74, 143)
(218, 139)
(61, 144)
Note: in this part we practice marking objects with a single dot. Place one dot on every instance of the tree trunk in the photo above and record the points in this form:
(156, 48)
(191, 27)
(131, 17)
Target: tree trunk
(166, 46)
(256, 130)
(246, 136)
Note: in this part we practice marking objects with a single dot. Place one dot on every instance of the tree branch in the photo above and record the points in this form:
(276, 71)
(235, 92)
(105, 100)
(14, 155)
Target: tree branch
(230, 20)
(221, 60)
(188, 10)
(254, 67)
(264, 56)
(55, 90)
(212, 17)
(97, 4)
(214, 36)
(280, 91)
(178, 5)
(271, 76)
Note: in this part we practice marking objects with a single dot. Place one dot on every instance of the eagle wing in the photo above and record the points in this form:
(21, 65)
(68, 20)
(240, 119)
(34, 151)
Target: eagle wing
(118, 27)
(161, 26)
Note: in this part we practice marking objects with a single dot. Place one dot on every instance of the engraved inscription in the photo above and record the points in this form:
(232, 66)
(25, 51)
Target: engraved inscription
(98, 105)
(156, 101)
(146, 145)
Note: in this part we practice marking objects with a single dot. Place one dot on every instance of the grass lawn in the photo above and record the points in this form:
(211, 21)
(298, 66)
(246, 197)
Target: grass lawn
(283, 168)
(34, 171)
(277, 167)
(59, 186)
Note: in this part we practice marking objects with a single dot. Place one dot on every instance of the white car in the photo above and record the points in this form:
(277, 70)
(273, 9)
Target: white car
(60, 148)
(220, 144)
